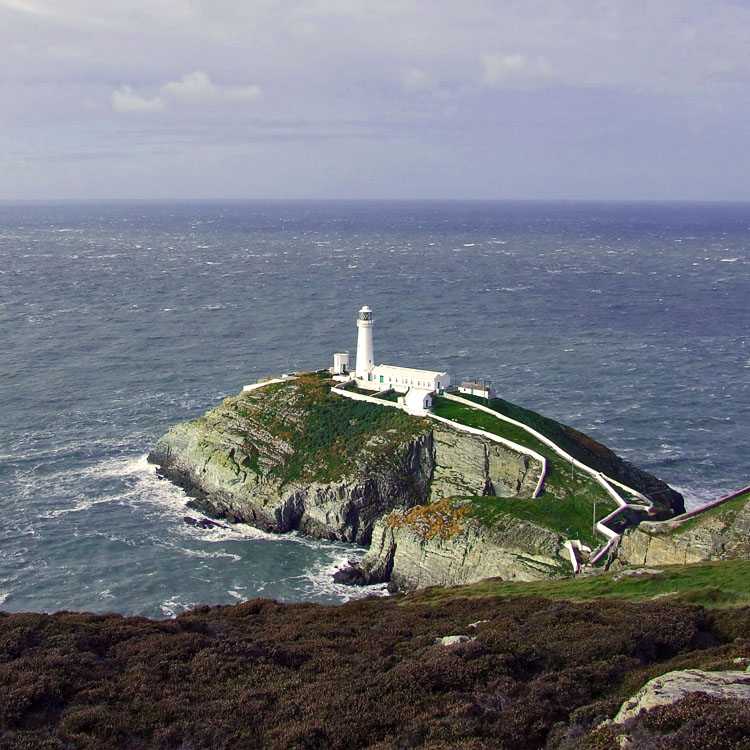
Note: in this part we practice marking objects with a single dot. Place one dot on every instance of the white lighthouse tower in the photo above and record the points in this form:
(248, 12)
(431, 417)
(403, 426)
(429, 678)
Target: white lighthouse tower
(365, 361)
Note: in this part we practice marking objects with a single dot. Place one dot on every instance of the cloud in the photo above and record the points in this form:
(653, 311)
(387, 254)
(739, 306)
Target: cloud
(126, 101)
(417, 81)
(199, 87)
(192, 89)
(24, 7)
(514, 71)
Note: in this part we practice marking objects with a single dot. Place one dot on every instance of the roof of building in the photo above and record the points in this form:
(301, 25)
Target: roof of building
(414, 372)
(475, 384)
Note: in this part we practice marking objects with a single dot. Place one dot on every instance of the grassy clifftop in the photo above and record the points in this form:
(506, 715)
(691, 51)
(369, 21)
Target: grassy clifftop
(323, 436)
(714, 584)
(579, 445)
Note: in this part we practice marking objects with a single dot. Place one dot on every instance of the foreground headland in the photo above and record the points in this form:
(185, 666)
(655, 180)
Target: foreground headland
(494, 665)
(463, 493)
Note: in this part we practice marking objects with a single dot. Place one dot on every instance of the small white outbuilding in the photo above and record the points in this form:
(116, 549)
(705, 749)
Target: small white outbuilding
(418, 386)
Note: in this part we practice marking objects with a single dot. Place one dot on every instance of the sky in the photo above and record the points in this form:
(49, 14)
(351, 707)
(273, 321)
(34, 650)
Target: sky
(384, 99)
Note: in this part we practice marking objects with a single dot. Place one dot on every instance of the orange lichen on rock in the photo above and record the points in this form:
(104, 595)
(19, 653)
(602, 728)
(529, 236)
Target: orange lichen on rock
(441, 519)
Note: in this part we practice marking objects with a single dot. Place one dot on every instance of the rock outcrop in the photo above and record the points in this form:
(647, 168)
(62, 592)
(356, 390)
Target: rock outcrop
(469, 465)
(293, 456)
(674, 686)
(442, 545)
(719, 532)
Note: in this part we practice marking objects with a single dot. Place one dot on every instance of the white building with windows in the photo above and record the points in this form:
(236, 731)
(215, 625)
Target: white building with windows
(418, 386)
(481, 388)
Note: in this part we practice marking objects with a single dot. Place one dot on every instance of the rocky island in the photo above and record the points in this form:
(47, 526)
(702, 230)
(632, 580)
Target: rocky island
(466, 492)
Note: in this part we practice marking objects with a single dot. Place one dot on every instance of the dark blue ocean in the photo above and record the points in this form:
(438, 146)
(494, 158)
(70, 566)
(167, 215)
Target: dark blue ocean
(117, 320)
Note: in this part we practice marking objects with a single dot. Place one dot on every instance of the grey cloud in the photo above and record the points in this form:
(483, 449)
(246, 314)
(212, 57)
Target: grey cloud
(454, 92)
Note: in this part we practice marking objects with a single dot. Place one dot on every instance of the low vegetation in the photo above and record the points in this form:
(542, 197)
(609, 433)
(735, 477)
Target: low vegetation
(368, 674)
(442, 519)
(714, 584)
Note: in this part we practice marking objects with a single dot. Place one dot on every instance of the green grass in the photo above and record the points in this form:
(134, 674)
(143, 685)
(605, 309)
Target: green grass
(475, 418)
(571, 517)
(393, 396)
(576, 443)
(566, 503)
(326, 432)
(716, 584)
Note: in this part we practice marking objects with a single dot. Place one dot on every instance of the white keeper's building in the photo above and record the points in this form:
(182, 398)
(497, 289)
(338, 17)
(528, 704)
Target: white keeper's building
(418, 386)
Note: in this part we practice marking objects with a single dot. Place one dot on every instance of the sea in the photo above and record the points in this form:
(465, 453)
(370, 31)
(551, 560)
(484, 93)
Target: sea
(629, 321)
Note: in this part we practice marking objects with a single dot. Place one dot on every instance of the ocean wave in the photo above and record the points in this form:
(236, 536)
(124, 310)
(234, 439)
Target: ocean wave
(176, 605)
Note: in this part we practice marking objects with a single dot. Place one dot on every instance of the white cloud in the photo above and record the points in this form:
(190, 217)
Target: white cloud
(514, 71)
(24, 6)
(416, 80)
(192, 88)
(126, 101)
(198, 87)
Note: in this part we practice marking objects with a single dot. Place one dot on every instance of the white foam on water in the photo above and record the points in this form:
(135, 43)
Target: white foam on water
(78, 508)
(175, 606)
(161, 493)
(319, 579)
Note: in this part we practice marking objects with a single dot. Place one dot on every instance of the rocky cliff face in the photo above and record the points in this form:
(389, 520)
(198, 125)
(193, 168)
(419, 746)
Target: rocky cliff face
(469, 465)
(718, 533)
(293, 456)
(442, 545)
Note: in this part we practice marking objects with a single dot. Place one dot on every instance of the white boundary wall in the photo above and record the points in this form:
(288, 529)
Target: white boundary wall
(246, 388)
(368, 399)
(551, 444)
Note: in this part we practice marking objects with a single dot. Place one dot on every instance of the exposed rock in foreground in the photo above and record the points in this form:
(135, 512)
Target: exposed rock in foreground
(674, 686)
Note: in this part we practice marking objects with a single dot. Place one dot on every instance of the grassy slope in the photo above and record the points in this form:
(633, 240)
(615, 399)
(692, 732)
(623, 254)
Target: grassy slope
(579, 445)
(326, 432)
(567, 503)
(709, 584)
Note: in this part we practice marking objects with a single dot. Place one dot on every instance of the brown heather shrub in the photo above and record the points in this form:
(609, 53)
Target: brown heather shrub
(362, 675)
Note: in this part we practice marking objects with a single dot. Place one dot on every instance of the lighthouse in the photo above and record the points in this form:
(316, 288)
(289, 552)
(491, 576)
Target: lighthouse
(365, 360)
